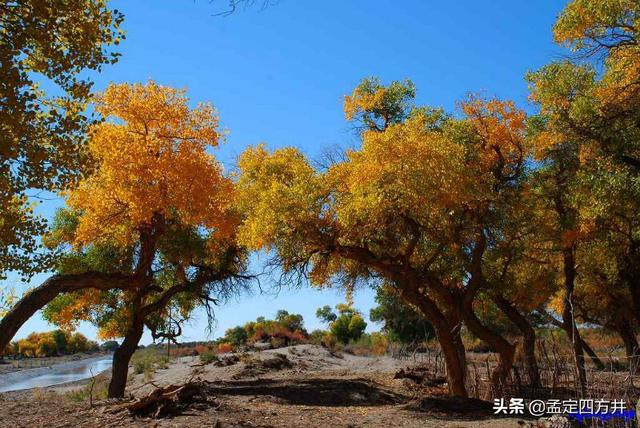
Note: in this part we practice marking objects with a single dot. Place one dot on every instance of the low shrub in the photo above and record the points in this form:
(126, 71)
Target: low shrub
(142, 365)
(148, 360)
(98, 391)
(277, 342)
(375, 344)
(208, 356)
(224, 348)
(316, 336)
(473, 344)
(379, 344)
(329, 341)
(183, 351)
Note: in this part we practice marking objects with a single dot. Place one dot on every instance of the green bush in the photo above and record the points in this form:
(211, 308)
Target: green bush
(329, 341)
(316, 336)
(348, 325)
(148, 360)
(209, 356)
(237, 336)
(162, 362)
(142, 365)
(400, 322)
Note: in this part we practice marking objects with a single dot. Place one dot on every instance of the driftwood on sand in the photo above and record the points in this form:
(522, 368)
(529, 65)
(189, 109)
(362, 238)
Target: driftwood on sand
(171, 400)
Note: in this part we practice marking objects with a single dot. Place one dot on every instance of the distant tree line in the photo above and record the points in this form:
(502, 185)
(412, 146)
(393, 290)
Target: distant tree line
(51, 343)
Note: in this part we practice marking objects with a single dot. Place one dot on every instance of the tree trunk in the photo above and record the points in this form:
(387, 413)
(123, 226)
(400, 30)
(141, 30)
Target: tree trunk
(447, 329)
(463, 302)
(630, 273)
(625, 330)
(568, 320)
(529, 338)
(634, 289)
(578, 352)
(594, 357)
(455, 359)
(504, 349)
(122, 357)
(37, 298)
(632, 280)
(592, 354)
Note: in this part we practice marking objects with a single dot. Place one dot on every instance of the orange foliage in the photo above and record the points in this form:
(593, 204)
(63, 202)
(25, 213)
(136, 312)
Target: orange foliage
(225, 348)
(182, 351)
(276, 331)
(151, 160)
(201, 349)
(500, 126)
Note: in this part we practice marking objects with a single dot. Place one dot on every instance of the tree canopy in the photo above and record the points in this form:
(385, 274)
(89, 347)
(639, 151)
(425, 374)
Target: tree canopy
(46, 50)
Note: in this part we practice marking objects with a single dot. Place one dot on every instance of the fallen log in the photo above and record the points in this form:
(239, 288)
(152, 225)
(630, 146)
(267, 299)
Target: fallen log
(415, 375)
(420, 376)
(173, 400)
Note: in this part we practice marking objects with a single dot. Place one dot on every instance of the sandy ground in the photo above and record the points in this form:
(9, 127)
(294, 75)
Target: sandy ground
(312, 388)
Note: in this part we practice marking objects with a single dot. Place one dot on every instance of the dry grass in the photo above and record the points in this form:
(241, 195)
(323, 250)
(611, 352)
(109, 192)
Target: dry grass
(95, 390)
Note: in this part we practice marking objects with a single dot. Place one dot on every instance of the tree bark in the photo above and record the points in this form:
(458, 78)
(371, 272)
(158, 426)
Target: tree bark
(528, 334)
(504, 349)
(37, 298)
(455, 359)
(447, 329)
(122, 357)
(626, 333)
(463, 302)
(592, 354)
(594, 357)
(568, 319)
(630, 273)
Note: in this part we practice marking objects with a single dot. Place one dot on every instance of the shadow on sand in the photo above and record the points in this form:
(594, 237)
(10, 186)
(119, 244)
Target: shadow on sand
(353, 392)
(314, 392)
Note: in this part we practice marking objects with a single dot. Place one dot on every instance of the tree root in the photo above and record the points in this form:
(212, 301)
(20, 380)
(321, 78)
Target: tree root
(173, 400)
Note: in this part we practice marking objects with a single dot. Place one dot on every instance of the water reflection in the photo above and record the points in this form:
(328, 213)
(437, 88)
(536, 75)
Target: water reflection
(54, 375)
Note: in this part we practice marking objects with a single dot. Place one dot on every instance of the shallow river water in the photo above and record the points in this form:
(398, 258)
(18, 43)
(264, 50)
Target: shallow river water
(60, 373)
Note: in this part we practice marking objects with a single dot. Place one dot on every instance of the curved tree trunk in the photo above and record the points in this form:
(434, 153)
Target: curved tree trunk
(573, 334)
(528, 334)
(463, 301)
(464, 304)
(122, 357)
(634, 289)
(37, 298)
(504, 349)
(447, 331)
(568, 319)
(455, 360)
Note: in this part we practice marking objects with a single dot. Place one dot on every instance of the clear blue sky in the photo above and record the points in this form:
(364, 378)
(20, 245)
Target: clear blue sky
(279, 76)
